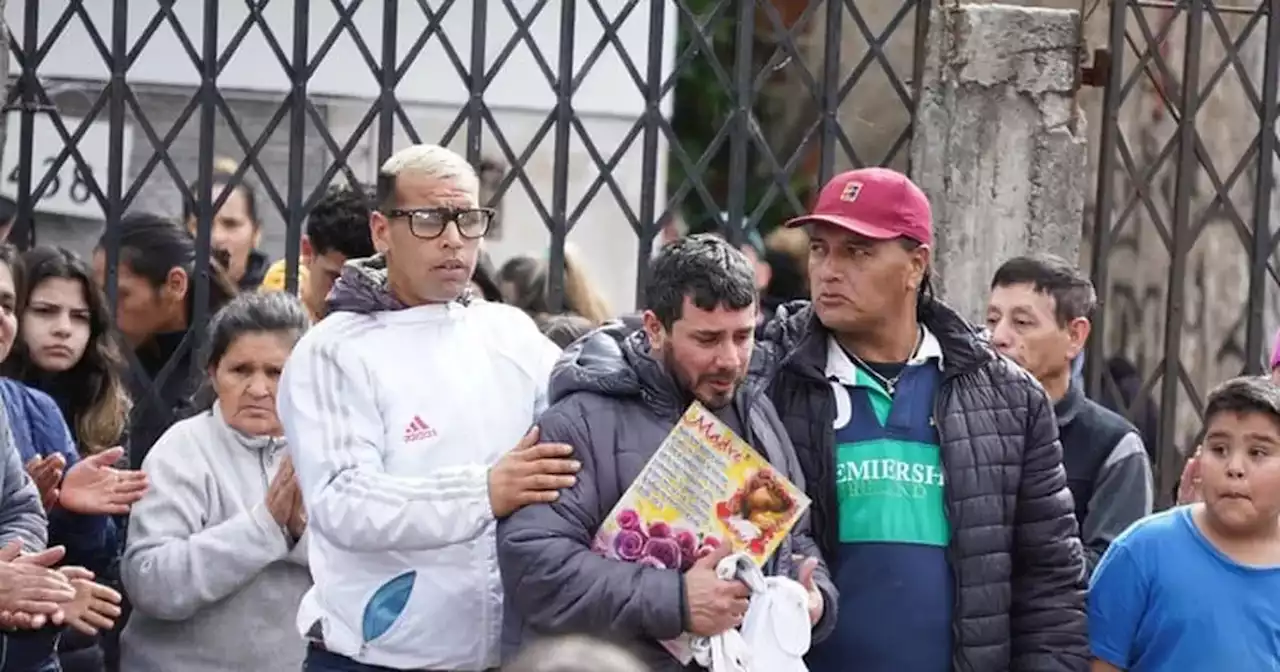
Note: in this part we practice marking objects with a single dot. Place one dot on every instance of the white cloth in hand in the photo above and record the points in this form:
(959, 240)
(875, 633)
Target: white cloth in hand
(775, 633)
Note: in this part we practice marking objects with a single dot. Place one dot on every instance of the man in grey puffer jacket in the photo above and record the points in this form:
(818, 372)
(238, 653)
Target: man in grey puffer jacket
(615, 395)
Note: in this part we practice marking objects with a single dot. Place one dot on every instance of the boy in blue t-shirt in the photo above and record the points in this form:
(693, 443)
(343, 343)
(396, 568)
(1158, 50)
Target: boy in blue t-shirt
(1194, 589)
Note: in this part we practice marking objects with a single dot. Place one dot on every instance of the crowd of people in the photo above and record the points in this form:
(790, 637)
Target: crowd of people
(404, 466)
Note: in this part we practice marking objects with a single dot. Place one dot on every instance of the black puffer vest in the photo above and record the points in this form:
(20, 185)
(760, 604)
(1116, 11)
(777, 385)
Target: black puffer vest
(1015, 549)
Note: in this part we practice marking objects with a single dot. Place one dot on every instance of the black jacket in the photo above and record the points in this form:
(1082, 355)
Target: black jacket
(255, 271)
(161, 391)
(1015, 547)
(615, 404)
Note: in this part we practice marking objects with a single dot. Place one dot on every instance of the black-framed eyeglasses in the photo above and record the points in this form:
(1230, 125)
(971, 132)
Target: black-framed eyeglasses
(428, 223)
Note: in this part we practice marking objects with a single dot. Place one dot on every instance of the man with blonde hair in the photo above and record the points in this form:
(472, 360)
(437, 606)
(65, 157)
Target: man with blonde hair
(402, 409)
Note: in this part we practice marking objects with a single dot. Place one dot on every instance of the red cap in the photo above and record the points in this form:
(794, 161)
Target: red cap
(878, 203)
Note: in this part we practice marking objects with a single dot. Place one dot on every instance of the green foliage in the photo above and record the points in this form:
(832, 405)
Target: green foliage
(703, 104)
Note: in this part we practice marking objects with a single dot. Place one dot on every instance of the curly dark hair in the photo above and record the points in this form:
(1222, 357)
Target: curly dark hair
(340, 222)
(706, 269)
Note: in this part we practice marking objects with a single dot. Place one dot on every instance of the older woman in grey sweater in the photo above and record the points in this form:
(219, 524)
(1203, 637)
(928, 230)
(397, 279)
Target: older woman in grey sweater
(215, 565)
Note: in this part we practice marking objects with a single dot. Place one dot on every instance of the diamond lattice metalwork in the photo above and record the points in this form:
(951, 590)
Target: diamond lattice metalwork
(736, 63)
(1187, 158)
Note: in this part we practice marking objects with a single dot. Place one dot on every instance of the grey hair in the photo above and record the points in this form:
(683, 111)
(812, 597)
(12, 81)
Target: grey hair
(254, 312)
(249, 313)
(435, 162)
(575, 653)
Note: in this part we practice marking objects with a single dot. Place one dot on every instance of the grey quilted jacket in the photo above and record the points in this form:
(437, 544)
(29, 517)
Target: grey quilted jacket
(615, 404)
(1015, 549)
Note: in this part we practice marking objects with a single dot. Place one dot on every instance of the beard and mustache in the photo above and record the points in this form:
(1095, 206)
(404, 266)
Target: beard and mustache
(689, 384)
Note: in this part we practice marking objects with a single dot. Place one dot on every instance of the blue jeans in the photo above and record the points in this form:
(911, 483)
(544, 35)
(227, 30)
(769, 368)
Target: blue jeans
(319, 660)
(30, 650)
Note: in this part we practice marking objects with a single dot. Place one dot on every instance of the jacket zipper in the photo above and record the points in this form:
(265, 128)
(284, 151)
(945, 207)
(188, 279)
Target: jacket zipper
(262, 462)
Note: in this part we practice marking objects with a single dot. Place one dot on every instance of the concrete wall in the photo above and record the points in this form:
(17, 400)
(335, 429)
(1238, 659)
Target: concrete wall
(872, 115)
(995, 144)
(1214, 288)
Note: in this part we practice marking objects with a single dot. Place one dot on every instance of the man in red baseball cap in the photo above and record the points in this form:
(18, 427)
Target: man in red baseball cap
(939, 497)
(880, 220)
(876, 203)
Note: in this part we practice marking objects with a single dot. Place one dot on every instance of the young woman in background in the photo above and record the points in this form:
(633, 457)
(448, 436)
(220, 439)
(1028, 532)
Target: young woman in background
(237, 230)
(79, 496)
(66, 348)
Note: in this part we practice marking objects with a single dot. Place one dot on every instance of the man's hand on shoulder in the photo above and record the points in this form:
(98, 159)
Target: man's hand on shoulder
(530, 473)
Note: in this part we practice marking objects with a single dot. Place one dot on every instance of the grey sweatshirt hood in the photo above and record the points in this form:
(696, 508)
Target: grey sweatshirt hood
(362, 288)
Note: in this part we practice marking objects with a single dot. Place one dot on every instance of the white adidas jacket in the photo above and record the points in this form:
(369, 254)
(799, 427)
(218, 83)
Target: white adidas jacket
(393, 420)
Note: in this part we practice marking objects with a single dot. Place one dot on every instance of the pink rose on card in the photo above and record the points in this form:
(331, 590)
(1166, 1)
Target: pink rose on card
(628, 519)
(688, 543)
(663, 550)
(659, 529)
(629, 545)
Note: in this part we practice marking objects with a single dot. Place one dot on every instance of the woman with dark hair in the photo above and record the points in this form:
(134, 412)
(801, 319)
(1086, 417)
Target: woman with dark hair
(67, 349)
(237, 230)
(215, 565)
(79, 497)
(155, 307)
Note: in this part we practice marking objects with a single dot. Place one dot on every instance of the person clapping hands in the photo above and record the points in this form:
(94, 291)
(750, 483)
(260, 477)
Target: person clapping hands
(92, 486)
(34, 594)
